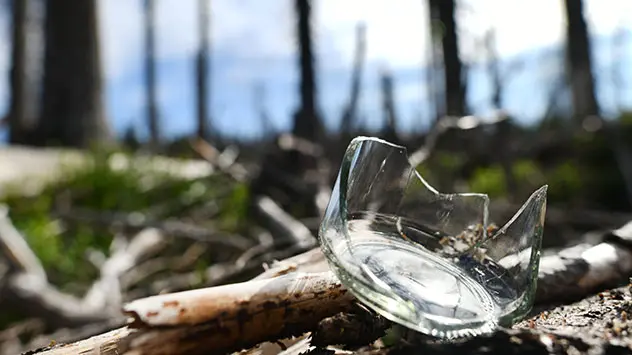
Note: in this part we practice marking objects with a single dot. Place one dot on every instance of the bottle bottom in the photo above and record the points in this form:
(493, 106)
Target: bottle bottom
(416, 288)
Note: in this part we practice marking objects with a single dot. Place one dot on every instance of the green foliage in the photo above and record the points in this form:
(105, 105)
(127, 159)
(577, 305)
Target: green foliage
(392, 336)
(492, 180)
(442, 169)
(626, 119)
(565, 183)
(603, 186)
(489, 180)
(234, 214)
(107, 184)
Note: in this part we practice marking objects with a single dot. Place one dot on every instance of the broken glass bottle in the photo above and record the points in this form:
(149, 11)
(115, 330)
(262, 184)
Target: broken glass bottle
(424, 259)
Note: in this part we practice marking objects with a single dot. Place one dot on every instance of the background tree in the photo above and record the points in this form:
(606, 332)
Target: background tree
(350, 112)
(73, 111)
(25, 72)
(306, 120)
(442, 12)
(578, 56)
(150, 72)
(202, 72)
(259, 98)
(388, 106)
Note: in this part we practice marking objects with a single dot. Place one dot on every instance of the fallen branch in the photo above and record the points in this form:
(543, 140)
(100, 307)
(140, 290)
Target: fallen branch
(26, 285)
(16, 249)
(105, 293)
(556, 215)
(223, 161)
(223, 318)
(136, 221)
(283, 226)
(222, 273)
(577, 271)
(444, 124)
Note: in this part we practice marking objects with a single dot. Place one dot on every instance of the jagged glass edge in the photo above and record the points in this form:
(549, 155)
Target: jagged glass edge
(359, 285)
(523, 306)
(432, 189)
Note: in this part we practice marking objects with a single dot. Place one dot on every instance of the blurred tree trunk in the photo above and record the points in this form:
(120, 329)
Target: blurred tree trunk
(267, 127)
(150, 73)
(581, 77)
(350, 112)
(443, 11)
(73, 113)
(493, 68)
(25, 72)
(388, 106)
(306, 121)
(202, 73)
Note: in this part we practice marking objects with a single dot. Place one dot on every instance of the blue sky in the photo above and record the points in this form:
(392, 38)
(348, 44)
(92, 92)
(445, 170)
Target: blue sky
(253, 44)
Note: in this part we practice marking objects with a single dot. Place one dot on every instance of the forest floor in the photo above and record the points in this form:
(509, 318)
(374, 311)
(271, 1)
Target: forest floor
(598, 324)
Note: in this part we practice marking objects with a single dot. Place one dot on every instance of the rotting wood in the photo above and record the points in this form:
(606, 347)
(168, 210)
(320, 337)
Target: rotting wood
(234, 316)
(226, 318)
(102, 344)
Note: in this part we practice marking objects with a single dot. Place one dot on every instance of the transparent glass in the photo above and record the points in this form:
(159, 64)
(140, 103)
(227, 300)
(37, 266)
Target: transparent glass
(424, 259)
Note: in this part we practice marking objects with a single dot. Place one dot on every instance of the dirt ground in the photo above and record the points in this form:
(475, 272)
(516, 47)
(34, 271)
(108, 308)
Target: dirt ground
(601, 324)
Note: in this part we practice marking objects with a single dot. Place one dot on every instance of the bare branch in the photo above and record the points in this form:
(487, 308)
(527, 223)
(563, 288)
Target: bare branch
(282, 225)
(105, 293)
(444, 124)
(223, 162)
(349, 115)
(137, 221)
(28, 288)
(223, 318)
(20, 255)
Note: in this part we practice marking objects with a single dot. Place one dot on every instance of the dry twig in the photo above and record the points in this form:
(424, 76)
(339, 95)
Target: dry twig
(444, 124)
(26, 285)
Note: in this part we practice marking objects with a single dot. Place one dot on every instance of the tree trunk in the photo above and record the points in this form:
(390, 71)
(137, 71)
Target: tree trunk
(73, 112)
(443, 11)
(306, 121)
(267, 127)
(26, 56)
(388, 106)
(150, 73)
(349, 116)
(578, 56)
(203, 130)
